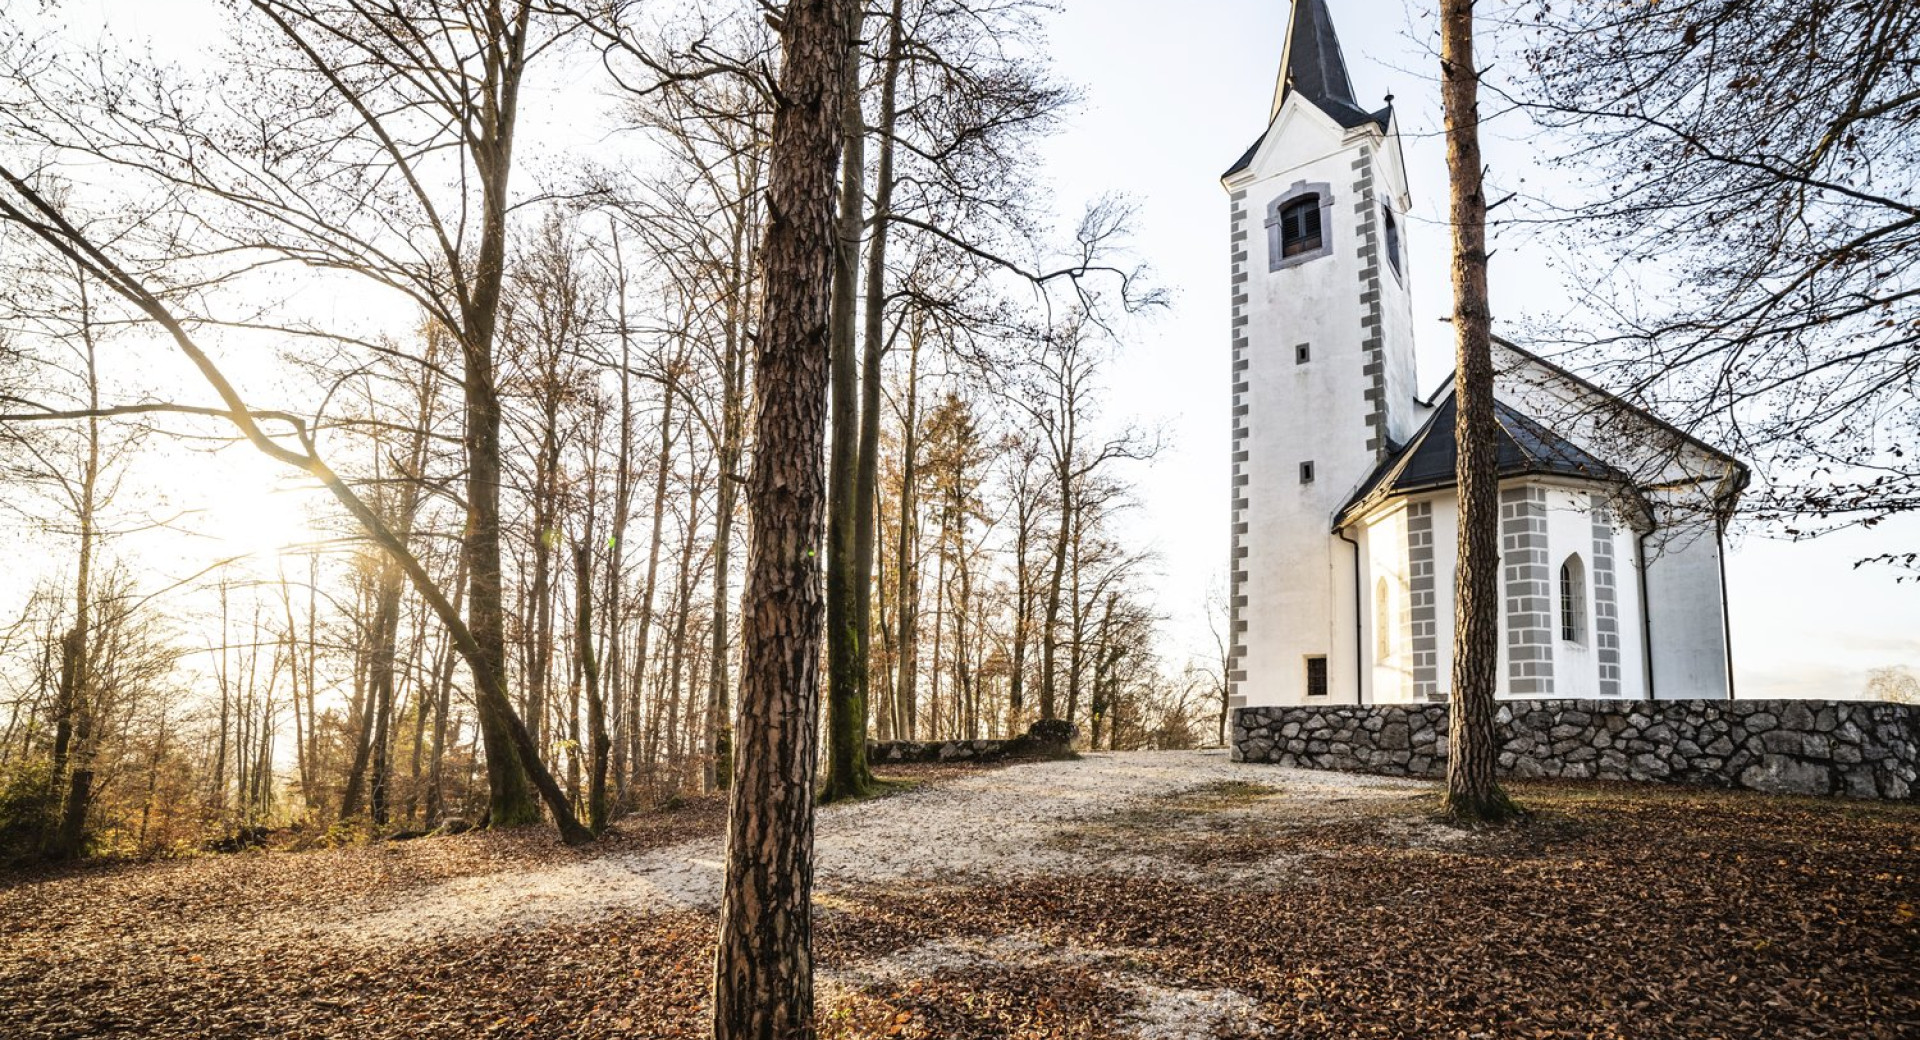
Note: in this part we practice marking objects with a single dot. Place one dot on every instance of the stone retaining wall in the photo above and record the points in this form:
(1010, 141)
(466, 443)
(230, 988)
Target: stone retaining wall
(1857, 749)
(942, 750)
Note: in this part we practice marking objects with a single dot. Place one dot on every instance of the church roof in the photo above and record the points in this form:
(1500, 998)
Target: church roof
(1314, 68)
(1427, 461)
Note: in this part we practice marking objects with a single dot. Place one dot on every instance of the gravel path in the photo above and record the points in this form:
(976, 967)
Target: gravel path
(1001, 822)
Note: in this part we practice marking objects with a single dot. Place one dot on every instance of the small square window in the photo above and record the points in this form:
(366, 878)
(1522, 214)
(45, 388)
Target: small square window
(1306, 473)
(1302, 354)
(1316, 677)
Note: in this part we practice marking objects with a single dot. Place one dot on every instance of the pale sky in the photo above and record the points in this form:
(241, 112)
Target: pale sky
(1174, 93)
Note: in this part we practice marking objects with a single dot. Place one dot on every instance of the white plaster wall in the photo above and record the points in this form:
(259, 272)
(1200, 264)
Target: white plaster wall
(1343, 668)
(1633, 646)
(1576, 664)
(1389, 679)
(1446, 560)
(1299, 584)
(1685, 601)
(1569, 529)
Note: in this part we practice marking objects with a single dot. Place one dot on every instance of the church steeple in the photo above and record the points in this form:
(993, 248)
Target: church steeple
(1313, 66)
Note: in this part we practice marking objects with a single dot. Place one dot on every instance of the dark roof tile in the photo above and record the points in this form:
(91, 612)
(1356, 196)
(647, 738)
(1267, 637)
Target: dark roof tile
(1427, 461)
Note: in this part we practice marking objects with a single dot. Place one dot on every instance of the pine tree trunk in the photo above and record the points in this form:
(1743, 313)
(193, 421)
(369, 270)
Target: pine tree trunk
(1473, 794)
(763, 967)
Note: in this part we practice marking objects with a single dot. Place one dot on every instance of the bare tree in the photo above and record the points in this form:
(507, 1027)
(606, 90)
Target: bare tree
(417, 136)
(1751, 169)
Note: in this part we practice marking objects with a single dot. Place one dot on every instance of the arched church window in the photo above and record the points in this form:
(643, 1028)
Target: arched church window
(1393, 238)
(1300, 226)
(1382, 621)
(1296, 228)
(1573, 600)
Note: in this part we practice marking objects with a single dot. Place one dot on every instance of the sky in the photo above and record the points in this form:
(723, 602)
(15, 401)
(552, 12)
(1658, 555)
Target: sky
(1173, 93)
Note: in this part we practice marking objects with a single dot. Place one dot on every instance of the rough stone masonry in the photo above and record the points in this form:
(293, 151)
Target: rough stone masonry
(1851, 748)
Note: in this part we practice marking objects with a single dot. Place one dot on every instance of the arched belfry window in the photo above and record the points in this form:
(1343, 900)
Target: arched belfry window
(1573, 600)
(1300, 226)
(1297, 225)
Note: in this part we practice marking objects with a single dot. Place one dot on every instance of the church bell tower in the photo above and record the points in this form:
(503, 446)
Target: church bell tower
(1322, 366)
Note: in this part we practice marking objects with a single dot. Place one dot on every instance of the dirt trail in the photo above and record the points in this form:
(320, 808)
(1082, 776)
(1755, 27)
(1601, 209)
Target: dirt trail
(1002, 822)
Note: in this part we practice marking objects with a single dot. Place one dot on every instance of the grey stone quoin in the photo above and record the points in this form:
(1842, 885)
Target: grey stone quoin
(1854, 749)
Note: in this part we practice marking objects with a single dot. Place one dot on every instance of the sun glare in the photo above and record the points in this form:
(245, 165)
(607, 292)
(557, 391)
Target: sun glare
(258, 515)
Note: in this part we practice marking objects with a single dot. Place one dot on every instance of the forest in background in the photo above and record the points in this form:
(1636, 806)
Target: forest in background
(608, 380)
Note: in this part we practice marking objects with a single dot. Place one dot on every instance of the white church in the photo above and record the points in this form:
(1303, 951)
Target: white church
(1344, 504)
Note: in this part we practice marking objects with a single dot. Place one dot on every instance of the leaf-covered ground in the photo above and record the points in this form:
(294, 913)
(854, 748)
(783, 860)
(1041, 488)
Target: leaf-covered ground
(1195, 899)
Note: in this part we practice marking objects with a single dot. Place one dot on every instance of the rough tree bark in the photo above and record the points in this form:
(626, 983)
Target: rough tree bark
(763, 967)
(1473, 794)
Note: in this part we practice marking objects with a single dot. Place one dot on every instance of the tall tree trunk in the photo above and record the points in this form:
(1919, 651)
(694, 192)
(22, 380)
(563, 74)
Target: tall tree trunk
(442, 704)
(422, 710)
(719, 724)
(963, 692)
(220, 752)
(538, 664)
(906, 559)
(511, 798)
(313, 652)
(386, 639)
(939, 630)
(1103, 666)
(763, 964)
(663, 468)
(1473, 793)
(1077, 621)
(866, 481)
(590, 672)
(1022, 612)
(882, 663)
(1050, 625)
(615, 696)
(676, 650)
(361, 710)
(733, 421)
(847, 773)
(73, 730)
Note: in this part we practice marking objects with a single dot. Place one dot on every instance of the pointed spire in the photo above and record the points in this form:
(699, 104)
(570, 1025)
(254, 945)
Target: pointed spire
(1313, 66)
